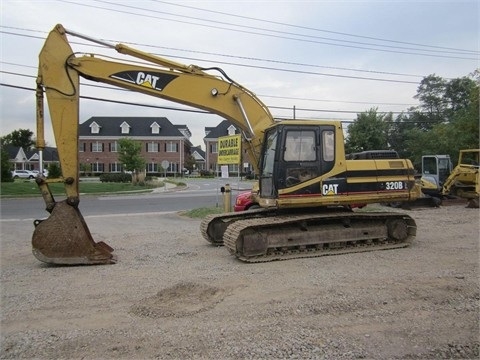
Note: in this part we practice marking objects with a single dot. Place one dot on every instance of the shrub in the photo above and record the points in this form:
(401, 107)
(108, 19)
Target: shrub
(54, 171)
(116, 177)
(206, 173)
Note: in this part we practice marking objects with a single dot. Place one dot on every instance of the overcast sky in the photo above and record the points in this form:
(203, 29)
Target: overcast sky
(328, 59)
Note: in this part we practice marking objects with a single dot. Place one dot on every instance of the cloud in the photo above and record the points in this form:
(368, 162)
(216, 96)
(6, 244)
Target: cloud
(289, 35)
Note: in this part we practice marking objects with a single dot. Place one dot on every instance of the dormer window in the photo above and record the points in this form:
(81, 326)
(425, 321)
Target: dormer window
(125, 128)
(155, 128)
(231, 130)
(94, 128)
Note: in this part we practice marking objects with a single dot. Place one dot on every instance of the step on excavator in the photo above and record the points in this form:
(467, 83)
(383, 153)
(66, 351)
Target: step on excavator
(306, 181)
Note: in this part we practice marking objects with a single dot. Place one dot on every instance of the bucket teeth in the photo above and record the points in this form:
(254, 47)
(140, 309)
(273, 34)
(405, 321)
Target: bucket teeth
(64, 238)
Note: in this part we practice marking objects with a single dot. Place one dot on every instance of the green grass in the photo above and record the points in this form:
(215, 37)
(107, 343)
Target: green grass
(30, 188)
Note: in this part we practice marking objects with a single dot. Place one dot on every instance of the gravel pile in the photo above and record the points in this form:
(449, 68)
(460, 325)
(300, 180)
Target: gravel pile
(174, 296)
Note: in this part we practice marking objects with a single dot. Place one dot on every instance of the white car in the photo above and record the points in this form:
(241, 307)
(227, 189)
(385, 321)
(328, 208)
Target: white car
(23, 174)
(36, 172)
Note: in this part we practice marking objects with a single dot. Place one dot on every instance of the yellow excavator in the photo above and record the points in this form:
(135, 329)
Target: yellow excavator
(464, 180)
(306, 181)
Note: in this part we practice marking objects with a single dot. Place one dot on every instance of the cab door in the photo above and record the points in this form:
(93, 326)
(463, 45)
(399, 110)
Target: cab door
(306, 153)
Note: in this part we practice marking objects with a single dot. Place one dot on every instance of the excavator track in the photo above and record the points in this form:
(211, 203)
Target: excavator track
(213, 226)
(282, 237)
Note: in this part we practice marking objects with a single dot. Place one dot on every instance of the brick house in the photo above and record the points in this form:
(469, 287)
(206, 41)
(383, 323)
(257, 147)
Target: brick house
(159, 138)
(225, 128)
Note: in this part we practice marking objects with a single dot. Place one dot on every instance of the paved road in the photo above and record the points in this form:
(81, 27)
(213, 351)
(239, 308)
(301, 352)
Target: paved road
(199, 193)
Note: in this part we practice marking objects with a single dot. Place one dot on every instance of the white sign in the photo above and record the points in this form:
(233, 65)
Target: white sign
(165, 164)
(224, 169)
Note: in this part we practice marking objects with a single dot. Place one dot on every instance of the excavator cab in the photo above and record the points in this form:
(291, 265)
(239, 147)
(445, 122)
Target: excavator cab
(435, 170)
(294, 155)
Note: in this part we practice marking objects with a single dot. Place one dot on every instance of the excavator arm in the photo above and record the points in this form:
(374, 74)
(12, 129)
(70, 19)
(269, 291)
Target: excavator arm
(58, 78)
(464, 180)
(60, 69)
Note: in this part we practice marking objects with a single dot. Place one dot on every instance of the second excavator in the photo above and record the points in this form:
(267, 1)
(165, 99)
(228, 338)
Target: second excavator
(306, 181)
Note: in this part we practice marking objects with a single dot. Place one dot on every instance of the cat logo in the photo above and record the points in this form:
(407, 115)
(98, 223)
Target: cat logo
(151, 80)
(329, 189)
(147, 80)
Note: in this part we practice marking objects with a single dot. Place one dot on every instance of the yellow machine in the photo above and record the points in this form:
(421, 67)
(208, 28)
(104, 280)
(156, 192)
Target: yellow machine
(306, 182)
(464, 179)
(435, 171)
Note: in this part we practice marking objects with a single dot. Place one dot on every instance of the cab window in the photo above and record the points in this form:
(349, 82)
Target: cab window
(328, 142)
(300, 146)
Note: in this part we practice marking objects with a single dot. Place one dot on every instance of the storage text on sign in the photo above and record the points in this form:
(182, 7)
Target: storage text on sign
(229, 149)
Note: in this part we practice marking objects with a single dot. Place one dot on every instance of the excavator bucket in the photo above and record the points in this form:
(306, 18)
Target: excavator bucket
(64, 239)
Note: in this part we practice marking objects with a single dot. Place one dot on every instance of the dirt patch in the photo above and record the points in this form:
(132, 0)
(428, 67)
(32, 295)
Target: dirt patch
(179, 300)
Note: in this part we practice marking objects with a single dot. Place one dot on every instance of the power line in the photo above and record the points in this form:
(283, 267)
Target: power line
(335, 101)
(274, 69)
(196, 111)
(270, 96)
(310, 28)
(255, 33)
(455, 51)
(227, 56)
(117, 101)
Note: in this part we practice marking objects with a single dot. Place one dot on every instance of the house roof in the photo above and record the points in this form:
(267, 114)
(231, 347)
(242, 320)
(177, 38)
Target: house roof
(19, 154)
(11, 150)
(220, 130)
(197, 153)
(139, 126)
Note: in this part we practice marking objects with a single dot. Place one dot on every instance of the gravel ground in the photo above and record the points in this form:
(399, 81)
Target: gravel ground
(173, 296)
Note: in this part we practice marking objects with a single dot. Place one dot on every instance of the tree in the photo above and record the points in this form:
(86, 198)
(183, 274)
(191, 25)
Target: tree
(458, 93)
(398, 133)
(368, 132)
(6, 175)
(431, 94)
(464, 127)
(189, 163)
(21, 138)
(445, 121)
(54, 171)
(130, 156)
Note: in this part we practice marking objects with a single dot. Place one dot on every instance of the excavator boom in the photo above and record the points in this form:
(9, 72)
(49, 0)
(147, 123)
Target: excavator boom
(464, 180)
(64, 237)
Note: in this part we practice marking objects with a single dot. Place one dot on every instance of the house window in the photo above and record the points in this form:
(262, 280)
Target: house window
(152, 167)
(94, 128)
(214, 148)
(172, 168)
(155, 128)
(97, 146)
(231, 130)
(115, 167)
(171, 147)
(81, 147)
(97, 167)
(125, 128)
(152, 147)
(114, 146)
